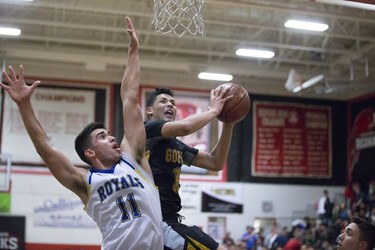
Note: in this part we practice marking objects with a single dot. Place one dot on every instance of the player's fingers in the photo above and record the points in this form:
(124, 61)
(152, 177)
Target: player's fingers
(12, 74)
(35, 84)
(4, 86)
(227, 98)
(7, 78)
(224, 91)
(129, 22)
(214, 92)
(21, 72)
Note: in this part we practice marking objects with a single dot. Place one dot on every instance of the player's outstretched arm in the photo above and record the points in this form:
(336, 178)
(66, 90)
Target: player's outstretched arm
(193, 123)
(134, 131)
(59, 165)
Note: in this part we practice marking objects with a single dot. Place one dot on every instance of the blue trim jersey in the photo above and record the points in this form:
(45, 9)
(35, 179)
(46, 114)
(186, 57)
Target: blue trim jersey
(166, 156)
(124, 203)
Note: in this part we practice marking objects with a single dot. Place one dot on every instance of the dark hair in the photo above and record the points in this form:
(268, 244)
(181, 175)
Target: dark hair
(83, 140)
(158, 91)
(367, 231)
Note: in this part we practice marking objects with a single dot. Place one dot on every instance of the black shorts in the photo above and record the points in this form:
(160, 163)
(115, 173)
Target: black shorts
(180, 236)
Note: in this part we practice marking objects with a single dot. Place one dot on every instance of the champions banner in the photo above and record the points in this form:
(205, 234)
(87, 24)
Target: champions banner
(291, 140)
(63, 113)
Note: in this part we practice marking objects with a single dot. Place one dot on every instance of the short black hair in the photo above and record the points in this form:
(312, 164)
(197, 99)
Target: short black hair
(158, 91)
(367, 231)
(83, 140)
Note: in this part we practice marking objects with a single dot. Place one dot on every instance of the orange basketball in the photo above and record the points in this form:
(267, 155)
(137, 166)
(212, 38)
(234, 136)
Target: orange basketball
(238, 107)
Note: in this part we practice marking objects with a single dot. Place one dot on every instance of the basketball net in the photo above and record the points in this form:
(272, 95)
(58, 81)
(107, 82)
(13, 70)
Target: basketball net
(178, 17)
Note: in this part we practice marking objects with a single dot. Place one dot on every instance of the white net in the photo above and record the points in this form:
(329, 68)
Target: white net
(178, 17)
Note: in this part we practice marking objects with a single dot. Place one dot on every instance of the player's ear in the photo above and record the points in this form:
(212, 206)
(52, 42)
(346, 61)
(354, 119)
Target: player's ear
(89, 153)
(362, 245)
(149, 111)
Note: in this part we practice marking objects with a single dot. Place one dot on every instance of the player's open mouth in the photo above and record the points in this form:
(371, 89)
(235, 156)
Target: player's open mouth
(116, 147)
(169, 112)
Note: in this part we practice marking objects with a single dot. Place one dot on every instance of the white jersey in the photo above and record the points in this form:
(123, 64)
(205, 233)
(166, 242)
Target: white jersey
(125, 204)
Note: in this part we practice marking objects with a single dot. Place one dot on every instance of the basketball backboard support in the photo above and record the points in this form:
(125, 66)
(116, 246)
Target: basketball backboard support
(5, 170)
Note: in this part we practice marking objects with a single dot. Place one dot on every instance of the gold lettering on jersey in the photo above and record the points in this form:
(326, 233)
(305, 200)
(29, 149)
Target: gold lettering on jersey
(176, 184)
(116, 184)
(173, 156)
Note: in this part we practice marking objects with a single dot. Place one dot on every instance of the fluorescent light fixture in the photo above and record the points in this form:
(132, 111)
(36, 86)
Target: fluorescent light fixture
(353, 4)
(308, 83)
(297, 89)
(215, 76)
(304, 25)
(255, 53)
(9, 31)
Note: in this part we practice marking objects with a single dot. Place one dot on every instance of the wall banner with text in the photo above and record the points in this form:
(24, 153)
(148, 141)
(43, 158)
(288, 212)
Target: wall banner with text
(361, 146)
(291, 140)
(63, 112)
(60, 211)
(222, 198)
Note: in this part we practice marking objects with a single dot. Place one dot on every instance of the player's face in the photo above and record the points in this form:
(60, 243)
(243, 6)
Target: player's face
(105, 147)
(349, 239)
(164, 108)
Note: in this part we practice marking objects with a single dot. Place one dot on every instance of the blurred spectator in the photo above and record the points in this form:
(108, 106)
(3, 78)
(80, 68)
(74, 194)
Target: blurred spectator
(328, 208)
(296, 236)
(260, 238)
(281, 239)
(228, 242)
(293, 244)
(250, 238)
(307, 221)
(312, 233)
(321, 203)
(271, 237)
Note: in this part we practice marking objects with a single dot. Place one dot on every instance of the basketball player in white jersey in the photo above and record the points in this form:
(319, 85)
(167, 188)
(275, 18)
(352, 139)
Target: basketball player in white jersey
(118, 190)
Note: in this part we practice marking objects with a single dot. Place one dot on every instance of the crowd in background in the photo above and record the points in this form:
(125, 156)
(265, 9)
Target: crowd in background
(310, 233)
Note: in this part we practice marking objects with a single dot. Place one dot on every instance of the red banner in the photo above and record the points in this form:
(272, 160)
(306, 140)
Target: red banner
(291, 140)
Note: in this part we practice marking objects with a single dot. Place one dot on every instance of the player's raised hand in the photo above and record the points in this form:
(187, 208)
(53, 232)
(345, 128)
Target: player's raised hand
(16, 87)
(133, 35)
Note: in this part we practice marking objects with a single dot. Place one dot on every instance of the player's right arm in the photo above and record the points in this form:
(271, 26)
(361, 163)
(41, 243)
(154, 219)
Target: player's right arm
(134, 141)
(193, 123)
(59, 165)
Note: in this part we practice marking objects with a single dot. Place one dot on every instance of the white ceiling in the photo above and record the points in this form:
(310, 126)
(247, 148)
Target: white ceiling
(87, 40)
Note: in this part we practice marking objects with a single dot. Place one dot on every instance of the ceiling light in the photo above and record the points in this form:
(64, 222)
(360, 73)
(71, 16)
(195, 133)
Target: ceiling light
(255, 53)
(295, 24)
(366, 5)
(308, 83)
(9, 31)
(215, 76)
(295, 82)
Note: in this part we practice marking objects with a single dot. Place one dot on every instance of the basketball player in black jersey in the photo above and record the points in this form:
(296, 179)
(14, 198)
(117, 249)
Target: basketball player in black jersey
(167, 154)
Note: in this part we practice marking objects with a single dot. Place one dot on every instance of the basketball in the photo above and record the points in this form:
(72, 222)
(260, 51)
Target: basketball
(238, 107)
